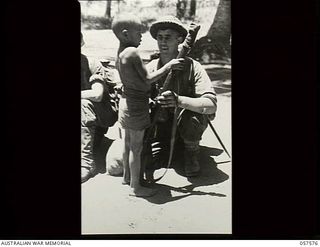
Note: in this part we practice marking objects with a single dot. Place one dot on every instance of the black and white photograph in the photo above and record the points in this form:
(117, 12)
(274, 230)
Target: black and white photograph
(156, 117)
(169, 135)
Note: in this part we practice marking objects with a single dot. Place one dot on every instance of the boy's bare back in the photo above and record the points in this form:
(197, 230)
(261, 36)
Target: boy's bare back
(132, 70)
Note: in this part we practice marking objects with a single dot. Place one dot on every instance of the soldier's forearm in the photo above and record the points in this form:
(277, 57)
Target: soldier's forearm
(91, 95)
(94, 94)
(199, 105)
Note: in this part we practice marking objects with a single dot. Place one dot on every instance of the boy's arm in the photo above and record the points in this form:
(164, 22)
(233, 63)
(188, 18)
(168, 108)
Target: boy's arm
(142, 71)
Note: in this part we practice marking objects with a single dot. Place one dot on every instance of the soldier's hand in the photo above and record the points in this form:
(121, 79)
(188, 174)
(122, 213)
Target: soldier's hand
(118, 88)
(168, 99)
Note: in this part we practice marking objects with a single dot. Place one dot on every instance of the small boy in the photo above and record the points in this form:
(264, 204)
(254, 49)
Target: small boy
(134, 105)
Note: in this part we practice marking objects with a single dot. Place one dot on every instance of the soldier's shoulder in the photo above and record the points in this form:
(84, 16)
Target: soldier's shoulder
(196, 65)
(153, 63)
(195, 62)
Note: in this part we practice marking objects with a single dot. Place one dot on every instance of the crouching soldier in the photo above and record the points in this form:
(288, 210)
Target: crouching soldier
(192, 92)
(98, 113)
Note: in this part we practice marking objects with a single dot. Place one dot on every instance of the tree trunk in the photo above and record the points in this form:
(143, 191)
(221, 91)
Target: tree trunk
(215, 46)
(221, 26)
(108, 9)
(192, 11)
(181, 8)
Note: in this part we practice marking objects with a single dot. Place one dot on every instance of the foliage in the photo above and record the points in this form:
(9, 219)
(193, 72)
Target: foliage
(95, 22)
(100, 22)
(147, 10)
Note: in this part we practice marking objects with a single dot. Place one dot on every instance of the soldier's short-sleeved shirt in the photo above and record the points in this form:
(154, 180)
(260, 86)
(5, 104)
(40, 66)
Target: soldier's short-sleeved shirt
(85, 73)
(100, 113)
(193, 81)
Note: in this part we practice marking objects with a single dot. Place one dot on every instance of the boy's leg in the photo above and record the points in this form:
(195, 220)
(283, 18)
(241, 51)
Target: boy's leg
(125, 157)
(136, 145)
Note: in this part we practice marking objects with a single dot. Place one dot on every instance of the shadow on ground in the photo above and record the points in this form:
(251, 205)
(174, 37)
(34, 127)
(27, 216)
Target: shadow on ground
(219, 74)
(221, 79)
(209, 175)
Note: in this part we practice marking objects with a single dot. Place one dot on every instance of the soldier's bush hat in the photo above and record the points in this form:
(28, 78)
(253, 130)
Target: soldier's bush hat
(168, 22)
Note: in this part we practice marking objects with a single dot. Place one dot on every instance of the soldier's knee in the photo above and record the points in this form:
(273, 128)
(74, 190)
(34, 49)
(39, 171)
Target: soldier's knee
(192, 126)
(88, 116)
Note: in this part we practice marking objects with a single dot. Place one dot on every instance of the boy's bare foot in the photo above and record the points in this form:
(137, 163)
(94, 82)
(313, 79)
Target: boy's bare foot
(125, 182)
(143, 192)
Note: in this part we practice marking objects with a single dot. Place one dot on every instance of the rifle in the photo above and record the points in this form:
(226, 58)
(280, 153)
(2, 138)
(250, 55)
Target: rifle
(185, 49)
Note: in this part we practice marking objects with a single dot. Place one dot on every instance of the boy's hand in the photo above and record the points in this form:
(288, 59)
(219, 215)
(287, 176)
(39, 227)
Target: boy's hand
(176, 64)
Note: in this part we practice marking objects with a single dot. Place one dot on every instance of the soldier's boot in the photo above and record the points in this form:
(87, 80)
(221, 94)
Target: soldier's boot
(87, 160)
(191, 163)
(99, 151)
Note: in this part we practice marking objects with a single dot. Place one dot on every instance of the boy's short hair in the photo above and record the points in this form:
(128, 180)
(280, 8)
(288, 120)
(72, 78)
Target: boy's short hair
(124, 21)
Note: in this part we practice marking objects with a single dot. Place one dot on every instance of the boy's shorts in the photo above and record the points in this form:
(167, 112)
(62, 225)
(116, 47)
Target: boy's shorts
(133, 115)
